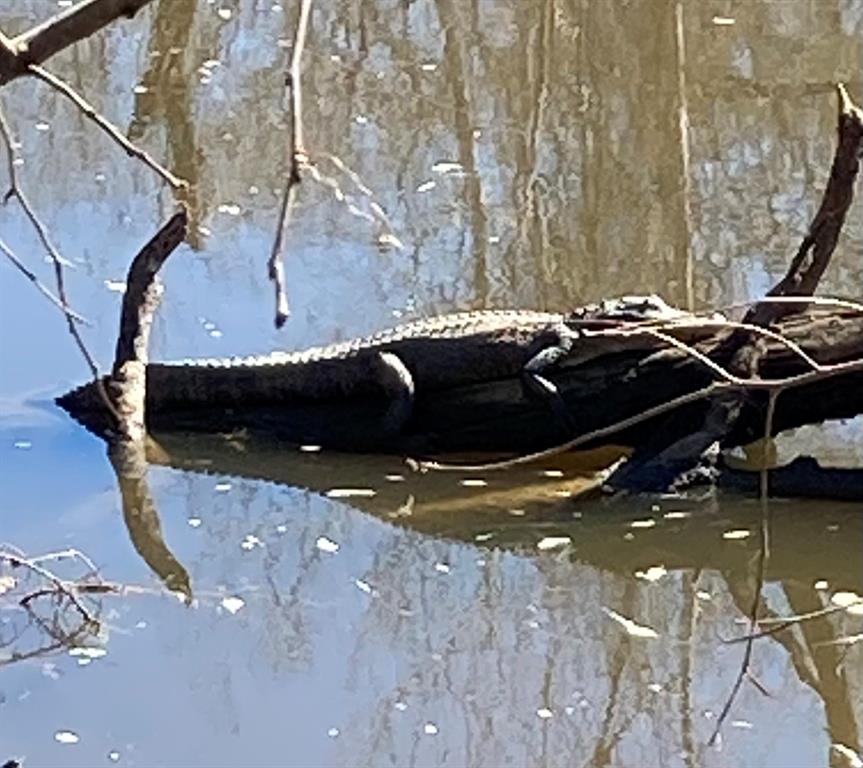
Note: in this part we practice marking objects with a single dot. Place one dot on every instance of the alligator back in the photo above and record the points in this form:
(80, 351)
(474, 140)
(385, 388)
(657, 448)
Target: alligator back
(440, 352)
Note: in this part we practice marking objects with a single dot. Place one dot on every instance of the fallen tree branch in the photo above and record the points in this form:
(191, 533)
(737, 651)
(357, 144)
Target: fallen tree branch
(129, 373)
(298, 158)
(816, 249)
(649, 468)
(771, 386)
(53, 35)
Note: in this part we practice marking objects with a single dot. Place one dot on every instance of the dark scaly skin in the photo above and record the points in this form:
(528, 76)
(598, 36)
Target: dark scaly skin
(441, 352)
(414, 358)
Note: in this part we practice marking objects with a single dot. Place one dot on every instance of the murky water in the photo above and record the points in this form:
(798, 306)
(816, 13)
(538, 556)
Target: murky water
(524, 155)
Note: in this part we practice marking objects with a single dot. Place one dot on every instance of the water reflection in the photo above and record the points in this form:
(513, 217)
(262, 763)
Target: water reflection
(510, 620)
(527, 155)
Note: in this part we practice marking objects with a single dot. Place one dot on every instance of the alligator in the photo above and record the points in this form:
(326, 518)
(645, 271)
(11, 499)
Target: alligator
(395, 366)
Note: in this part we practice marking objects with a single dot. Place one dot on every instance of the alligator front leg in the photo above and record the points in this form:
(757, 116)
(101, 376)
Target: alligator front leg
(538, 386)
(398, 385)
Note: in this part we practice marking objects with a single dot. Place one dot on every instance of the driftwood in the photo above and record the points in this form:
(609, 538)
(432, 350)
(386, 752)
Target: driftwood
(679, 446)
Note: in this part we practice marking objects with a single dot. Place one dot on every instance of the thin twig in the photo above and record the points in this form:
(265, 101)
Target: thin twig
(298, 159)
(768, 385)
(89, 111)
(780, 624)
(746, 661)
(15, 560)
(44, 290)
(824, 301)
(60, 300)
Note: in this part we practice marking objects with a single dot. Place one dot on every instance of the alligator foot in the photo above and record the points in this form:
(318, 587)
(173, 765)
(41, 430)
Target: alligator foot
(398, 385)
(536, 385)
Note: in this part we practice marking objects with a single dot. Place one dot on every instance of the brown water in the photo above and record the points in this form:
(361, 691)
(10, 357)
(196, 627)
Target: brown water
(525, 155)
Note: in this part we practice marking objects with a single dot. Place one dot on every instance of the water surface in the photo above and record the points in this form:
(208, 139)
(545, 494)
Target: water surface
(525, 155)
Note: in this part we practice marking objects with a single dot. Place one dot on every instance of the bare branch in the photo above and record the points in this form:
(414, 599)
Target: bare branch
(59, 32)
(44, 290)
(729, 383)
(66, 589)
(275, 266)
(61, 301)
(815, 251)
(89, 111)
(128, 378)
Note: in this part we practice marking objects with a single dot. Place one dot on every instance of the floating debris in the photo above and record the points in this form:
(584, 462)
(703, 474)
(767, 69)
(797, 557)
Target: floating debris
(85, 652)
(854, 760)
(114, 756)
(117, 286)
(394, 478)
(400, 706)
(222, 487)
(430, 729)
(723, 21)
(553, 542)
(632, 628)
(821, 584)
(363, 586)
(250, 542)
(333, 732)
(654, 688)
(743, 724)
(702, 595)
(310, 449)
(850, 601)
(7, 583)
(552, 473)
(441, 567)
(194, 522)
(737, 534)
(327, 545)
(42, 126)
(224, 13)
(347, 493)
(426, 186)
(544, 713)
(388, 239)
(474, 482)
(654, 573)
(428, 67)
(447, 166)
(22, 445)
(675, 515)
(231, 209)
(647, 523)
(480, 537)
(66, 737)
(232, 604)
